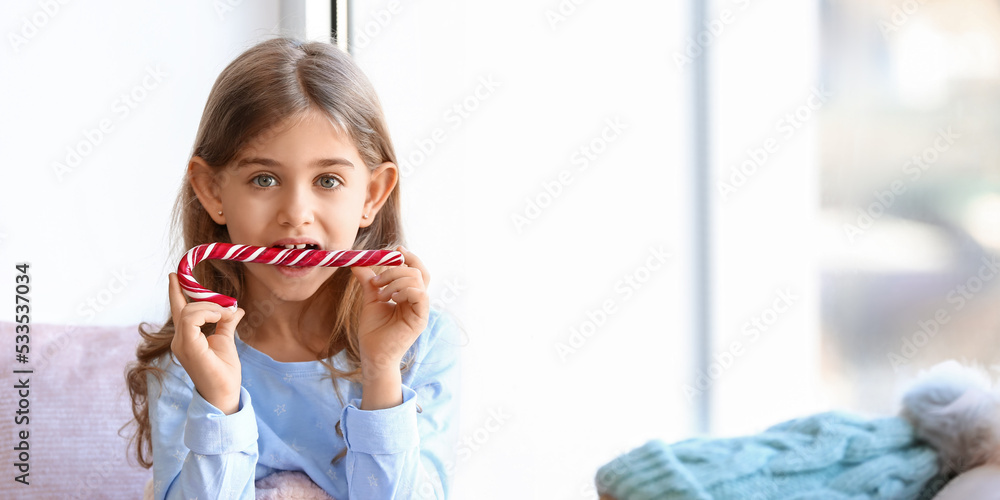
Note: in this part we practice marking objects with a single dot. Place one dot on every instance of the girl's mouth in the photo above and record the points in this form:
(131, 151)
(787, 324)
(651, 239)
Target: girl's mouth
(301, 246)
(294, 271)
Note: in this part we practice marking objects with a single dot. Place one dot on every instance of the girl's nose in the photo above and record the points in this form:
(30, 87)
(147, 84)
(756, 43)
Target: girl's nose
(296, 208)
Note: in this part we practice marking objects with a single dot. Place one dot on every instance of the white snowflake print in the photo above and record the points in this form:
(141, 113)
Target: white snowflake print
(288, 377)
(279, 409)
(372, 481)
(332, 474)
(175, 406)
(247, 382)
(179, 456)
(295, 446)
(406, 490)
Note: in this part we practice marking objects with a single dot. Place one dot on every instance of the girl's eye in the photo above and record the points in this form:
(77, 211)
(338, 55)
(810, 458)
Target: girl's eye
(329, 182)
(267, 181)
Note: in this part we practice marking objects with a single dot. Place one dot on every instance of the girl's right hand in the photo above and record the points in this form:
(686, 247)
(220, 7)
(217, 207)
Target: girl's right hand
(211, 361)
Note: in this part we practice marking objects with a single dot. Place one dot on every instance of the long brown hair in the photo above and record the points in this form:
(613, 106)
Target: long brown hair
(274, 80)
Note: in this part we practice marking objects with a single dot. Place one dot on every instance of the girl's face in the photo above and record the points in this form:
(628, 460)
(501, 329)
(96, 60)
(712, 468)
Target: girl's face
(302, 182)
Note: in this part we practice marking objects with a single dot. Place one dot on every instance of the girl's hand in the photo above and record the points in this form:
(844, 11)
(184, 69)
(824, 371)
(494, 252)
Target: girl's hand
(387, 329)
(211, 361)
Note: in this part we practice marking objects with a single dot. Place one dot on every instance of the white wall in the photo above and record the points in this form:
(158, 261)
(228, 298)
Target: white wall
(528, 287)
(95, 232)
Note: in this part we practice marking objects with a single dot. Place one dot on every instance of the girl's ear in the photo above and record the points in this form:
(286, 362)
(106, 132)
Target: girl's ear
(383, 179)
(206, 188)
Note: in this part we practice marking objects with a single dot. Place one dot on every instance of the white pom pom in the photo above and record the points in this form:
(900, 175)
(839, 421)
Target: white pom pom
(955, 410)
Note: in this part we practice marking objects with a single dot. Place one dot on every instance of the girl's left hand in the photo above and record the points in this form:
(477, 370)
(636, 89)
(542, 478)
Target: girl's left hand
(387, 329)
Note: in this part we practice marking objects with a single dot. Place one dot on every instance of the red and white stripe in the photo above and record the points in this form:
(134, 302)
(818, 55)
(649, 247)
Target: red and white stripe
(299, 257)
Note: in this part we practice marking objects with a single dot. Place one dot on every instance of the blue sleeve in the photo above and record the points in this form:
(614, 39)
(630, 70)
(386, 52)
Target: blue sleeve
(402, 452)
(199, 451)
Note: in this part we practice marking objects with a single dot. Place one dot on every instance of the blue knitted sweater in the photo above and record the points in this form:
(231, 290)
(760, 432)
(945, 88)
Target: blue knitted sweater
(828, 456)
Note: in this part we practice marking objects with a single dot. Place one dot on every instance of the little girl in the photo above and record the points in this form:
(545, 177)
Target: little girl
(293, 150)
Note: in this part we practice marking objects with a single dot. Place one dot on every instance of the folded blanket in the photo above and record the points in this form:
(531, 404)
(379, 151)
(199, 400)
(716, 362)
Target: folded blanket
(282, 485)
(829, 456)
(949, 423)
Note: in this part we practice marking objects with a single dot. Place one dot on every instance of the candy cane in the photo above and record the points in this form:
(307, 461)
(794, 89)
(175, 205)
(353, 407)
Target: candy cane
(299, 257)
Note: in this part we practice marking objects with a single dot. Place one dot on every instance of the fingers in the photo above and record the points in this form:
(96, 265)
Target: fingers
(364, 276)
(190, 317)
(176, 296)
(190, 320)
(395, 273)
(187, 320)
(412, 260)
(398, 285)
(404, 283)
(416, 297)
(227, 323)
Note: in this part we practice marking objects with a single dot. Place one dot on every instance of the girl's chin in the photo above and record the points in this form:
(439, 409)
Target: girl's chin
(291, 284)
(293, 293)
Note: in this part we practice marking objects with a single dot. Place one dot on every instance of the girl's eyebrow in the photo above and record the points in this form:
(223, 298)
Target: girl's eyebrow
(268, 162)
